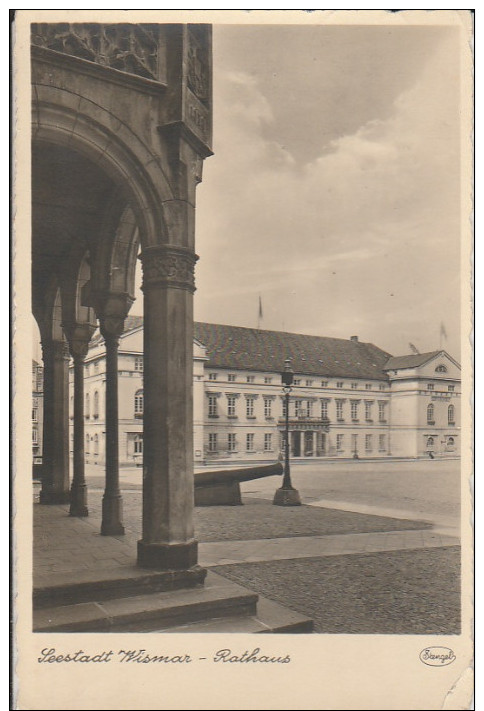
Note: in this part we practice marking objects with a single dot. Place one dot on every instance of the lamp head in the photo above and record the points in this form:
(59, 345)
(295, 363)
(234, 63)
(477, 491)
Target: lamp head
(287, 374)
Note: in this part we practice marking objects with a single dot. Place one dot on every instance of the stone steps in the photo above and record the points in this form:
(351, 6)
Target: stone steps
(217, 606)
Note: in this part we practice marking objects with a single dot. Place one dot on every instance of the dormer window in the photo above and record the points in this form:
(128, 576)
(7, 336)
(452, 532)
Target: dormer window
(441, 369)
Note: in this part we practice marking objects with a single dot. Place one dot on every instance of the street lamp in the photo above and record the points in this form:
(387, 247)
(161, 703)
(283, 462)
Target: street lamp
(287, 495)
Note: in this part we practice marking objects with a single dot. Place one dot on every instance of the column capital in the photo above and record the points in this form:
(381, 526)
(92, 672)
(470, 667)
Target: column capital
(169, 266)
(111, 309)
(78, 336)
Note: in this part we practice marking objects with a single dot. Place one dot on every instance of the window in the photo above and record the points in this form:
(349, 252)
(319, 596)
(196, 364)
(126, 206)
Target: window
(88, 406)
(267, 407)
(267, 381)
(309, 408)
(450, 442)
(430, 441)
(381, 386)
(381, 412)
(138, 404)
(430, 414)
(324, 409)
(284, 407)
(212, 442)
(96, 444)
(35, 436)
(138, 444)
(339, 442)
(88, 444)
(309, 383)
(231, 378)
(249, 407)
(250, 442)
(339, 384)
(231, 405)
(368, 443)
(339, 409)
(324, 383)
(430, 386)
(231, 442)
(368, 411)
(34, 414)
(441, 369)
(381, 443)
(212, 406)
(354, 410)
(298, 408)
(96, 366)
(354, 440)
(354, 386)
(212, 376)
(267, 442)
(138, 363)
(71, 408)
(250, 378)
(88, 369)
(368, 386)
(451, 415)
(96, 404)
(451, 388)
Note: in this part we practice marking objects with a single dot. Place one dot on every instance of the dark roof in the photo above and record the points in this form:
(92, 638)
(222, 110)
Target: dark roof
(410, 361)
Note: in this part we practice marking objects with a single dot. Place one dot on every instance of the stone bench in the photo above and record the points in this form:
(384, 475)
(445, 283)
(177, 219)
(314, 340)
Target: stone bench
(221, 487)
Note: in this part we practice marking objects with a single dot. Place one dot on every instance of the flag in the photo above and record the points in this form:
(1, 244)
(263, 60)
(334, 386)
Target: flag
(413, 348)
(443, 332)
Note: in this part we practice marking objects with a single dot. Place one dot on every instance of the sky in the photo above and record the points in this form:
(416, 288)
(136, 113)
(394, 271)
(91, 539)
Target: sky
(333, 191)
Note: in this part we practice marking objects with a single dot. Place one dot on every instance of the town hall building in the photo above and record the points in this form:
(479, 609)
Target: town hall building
(349, 399)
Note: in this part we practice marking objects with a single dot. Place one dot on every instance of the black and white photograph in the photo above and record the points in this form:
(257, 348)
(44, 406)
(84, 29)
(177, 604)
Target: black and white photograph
(242, 289)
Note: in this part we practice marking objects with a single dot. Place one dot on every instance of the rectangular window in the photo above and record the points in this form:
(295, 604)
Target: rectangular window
(297, 381)
(212, 376)
(212, 442)
(354, 410)
(231, 441)
(324, 409)
(96, 365)
(34, 415)
(298, 408)
(339, 409)
(451, 388)
(324, 383)
(339, 442)
(354, 443)
(284, 407)
(249, 407)
(267, 407)
(368, 444)
(267, 442)
(309, 408)
(138, 444)
(381, 443)
(339, 384)
(212, 406)
(430, 386)
(138, 364)
(381, 387)
(231, 378)
(368, 411)
(381, 412)
(354, 386)
(309, 383)
(35, 436)
(250, 378)
(250, 442)
(231, 405)
(368, 386)
(267, 381)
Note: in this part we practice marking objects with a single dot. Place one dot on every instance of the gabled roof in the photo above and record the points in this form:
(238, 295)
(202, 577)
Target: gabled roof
(411, 361)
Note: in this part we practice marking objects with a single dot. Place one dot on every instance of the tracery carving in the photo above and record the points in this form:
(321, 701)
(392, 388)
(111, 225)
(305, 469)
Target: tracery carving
(170, 266)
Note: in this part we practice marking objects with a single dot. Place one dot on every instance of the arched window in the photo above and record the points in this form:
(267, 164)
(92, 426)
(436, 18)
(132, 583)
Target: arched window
(441, 369)
(451, 415)
(96, 404)
(430, 441)
(96, 444)
(88, 406)
(430, 414)
(138, 404)
(88, 439)
(450, 442)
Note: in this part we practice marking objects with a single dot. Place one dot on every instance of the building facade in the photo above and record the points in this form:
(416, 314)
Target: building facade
(349, 399)
(37, 411)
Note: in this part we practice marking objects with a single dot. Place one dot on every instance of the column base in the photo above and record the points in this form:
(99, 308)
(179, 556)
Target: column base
(112, 517)
(54, 497)
(166, 556)
(78, 498)
(286, 497)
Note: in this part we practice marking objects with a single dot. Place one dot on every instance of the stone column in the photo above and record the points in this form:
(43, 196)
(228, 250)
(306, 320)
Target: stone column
(55, 438)
(79, 337)
(112, 506)
(168, 489)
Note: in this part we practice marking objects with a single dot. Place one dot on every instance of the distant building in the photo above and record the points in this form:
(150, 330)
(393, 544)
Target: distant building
(37, 411)
(377, 405)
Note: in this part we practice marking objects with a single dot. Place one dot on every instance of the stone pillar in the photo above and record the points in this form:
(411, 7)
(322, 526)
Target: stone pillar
(55, 438)
(112, 506)
(79, 337)
(168, 488)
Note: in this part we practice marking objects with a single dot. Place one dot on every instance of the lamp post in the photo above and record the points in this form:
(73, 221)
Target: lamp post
(287, 495)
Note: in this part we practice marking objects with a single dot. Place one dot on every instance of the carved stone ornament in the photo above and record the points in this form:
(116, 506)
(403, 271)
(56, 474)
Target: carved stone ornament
(198, 69)
(169, 266)
(128, 48)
